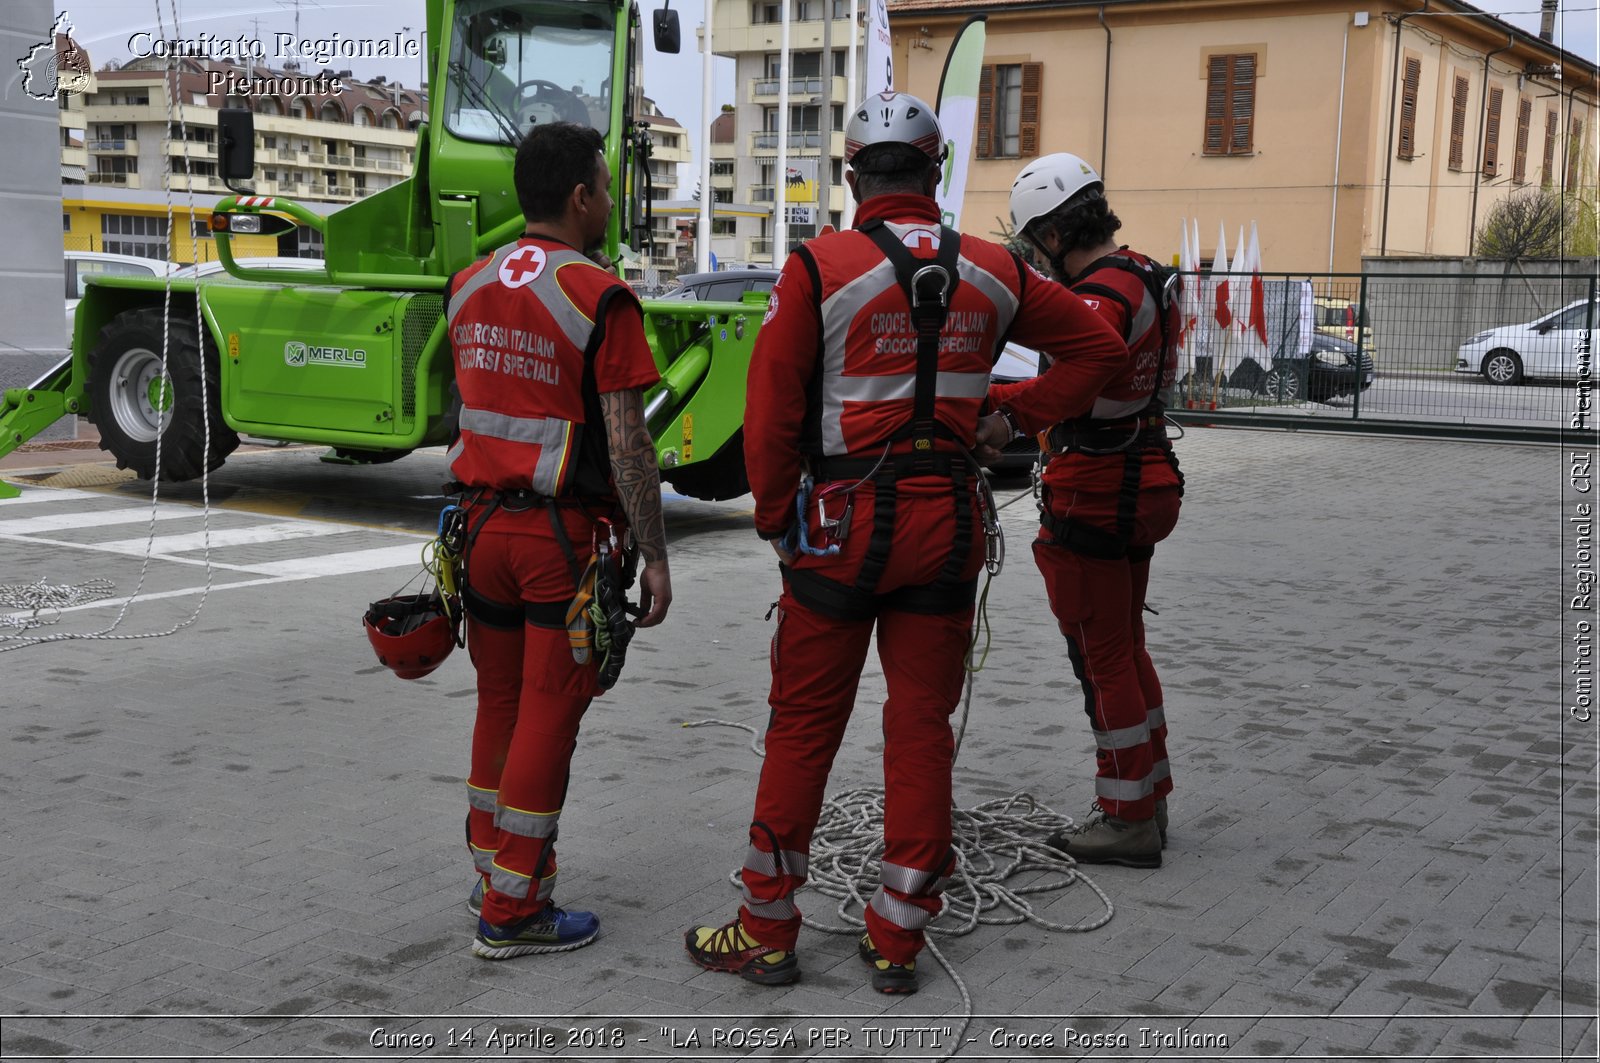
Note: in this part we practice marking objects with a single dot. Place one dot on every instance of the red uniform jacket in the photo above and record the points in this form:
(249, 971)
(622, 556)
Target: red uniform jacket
(833, 369)
(1122, 299)
(525, 324)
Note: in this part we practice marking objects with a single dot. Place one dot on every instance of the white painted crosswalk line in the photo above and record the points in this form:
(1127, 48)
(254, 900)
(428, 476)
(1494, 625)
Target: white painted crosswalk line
(45, 494)
(344, 563)
(221, 538)
(93, 518)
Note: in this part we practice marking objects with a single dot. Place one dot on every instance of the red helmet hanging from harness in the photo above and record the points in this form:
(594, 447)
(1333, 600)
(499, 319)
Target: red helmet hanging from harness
(411, 633)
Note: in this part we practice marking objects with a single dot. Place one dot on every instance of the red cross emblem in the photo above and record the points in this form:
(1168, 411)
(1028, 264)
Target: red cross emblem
(522, 266)
(918, 237)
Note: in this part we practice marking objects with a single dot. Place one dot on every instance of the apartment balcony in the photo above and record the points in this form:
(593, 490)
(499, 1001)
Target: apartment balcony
(801, 89)
(758, 247)
(197, 149)
(340, 160)
(284, 155)
(113, 146)
(195, 183)
(122, 180)
(126, 112)
(362, 162)
(764, 144)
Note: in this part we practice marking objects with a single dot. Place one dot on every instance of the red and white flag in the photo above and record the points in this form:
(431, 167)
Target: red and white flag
(1223, 312)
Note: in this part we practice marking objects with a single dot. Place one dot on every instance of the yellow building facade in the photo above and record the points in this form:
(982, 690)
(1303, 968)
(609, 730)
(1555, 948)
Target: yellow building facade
(1272, 111)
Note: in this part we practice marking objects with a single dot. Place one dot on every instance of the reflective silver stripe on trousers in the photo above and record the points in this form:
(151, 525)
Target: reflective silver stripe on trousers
(486, 276)
(907, 880)
(481, 800)
(551, 434)
(1123, 737)
(527, 824)
(1112, 409)
(762, 863)
(782, 908)
(508, 882)
(483, 859)
(901, 914)
(1156, 717)
(1124, 789)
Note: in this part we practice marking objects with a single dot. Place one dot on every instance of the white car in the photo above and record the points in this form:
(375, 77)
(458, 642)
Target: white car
(1545, 348)
(216, 269)
(81, 265)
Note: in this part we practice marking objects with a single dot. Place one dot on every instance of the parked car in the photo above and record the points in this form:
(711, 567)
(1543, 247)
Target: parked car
(1545, 348)
(723, 286)
(1017, 363)
(81, 265)
(214, 268)
(1337, 317)
(1332, 369)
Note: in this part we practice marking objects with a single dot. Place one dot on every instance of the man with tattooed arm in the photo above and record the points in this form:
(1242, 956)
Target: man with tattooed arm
(553, 454)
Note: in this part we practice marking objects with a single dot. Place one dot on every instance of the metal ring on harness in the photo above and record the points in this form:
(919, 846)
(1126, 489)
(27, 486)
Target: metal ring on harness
(939, 273)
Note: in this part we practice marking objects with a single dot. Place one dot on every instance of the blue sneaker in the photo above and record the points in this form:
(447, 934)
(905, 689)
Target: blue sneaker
(475, 899)
(549, 930)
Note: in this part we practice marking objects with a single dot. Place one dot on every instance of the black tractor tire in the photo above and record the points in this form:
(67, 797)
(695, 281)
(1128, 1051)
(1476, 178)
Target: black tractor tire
(124, 392)
(718, 478)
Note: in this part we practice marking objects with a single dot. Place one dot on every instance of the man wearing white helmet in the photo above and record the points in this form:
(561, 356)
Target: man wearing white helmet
(868, 378)
(1111, 492)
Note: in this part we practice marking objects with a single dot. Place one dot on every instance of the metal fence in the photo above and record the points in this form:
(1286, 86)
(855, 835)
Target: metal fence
(1424, 352)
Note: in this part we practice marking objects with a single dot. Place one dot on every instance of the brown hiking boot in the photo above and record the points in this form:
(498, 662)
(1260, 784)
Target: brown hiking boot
(1107, 839)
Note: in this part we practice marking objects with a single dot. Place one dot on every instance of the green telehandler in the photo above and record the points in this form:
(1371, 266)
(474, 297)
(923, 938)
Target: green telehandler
(354, 356)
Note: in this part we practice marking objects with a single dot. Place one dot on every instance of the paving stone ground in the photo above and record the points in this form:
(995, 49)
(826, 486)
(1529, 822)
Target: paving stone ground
(244, 840)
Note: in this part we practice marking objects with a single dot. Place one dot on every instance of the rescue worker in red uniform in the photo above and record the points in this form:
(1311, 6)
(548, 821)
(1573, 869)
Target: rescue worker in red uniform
(869, 375)
(550, 359)
(1111, 491)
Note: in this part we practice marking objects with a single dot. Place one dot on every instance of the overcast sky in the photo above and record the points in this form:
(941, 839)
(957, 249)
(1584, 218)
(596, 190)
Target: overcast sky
(104, 27)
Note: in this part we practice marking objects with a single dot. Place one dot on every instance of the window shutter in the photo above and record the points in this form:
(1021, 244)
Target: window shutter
(1519, 168)
(1548, 177)
(1575, 156)
(1458, 124)
(985, 112)
(1242, 112)
(1028, 128)
(1491, 135)
(1408, 109)
(1217, 105)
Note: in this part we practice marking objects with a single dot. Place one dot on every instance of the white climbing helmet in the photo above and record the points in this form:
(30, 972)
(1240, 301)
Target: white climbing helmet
(1048, 182)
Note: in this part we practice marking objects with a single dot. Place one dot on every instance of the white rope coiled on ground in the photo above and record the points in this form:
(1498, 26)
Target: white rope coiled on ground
(998, 841)
(33, 600)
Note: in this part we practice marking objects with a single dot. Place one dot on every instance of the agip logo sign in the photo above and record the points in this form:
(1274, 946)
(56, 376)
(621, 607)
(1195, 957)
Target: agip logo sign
(299, 355)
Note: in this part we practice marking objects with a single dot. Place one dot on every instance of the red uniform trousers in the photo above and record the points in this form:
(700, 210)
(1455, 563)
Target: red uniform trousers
(531, 697)
(1099, 605)
(816, 667)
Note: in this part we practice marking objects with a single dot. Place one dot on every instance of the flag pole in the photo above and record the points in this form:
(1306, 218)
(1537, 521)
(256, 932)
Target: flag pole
(702, 256)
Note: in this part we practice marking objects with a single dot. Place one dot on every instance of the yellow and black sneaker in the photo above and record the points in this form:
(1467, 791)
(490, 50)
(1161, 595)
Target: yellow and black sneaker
(729, 948)
(887, 977)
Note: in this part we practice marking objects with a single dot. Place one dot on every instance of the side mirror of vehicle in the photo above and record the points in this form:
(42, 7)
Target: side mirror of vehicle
(669, 38)
(236, 145)
(1545, 327)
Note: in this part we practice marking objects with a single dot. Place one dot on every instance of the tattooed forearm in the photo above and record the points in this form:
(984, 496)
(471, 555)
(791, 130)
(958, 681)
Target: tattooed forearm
(633, 468)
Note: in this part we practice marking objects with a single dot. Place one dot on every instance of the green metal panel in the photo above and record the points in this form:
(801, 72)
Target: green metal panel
(707, 407)
(307, 357)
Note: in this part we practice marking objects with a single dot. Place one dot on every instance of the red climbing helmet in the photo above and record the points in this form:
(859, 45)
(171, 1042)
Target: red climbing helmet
(412, 634)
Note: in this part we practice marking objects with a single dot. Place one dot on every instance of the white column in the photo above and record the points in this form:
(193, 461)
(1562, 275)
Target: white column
(702, 242)
(780, 196)
(847, 219)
